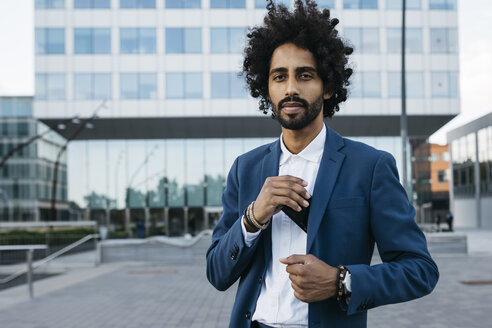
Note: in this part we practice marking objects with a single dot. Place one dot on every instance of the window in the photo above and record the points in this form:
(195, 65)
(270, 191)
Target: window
(444, 40)
(226, 39)
(50, 86)
(414, 85)
(410, 4)
(92, 86)
(366, 85)
(364, 40)
(443, 4)
(444, 84)
(360, 4)
(445, 156)
(227, 3)
(227, 85)
(263, 3)
(413, 40)
(126, 4)
(92, 41)
(183, 4)
(183, 40)
(50, 41)
(92, 4)
(15, 108)
(49, 4)
(326, 3)
(138, 86)
(442, 176)
(137, 41)
(184, 85)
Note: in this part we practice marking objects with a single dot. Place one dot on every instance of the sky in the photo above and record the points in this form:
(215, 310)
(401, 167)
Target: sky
(475, 40)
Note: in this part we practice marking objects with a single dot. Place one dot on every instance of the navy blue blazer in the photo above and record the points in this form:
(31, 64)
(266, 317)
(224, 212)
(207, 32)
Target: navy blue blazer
(357, 202)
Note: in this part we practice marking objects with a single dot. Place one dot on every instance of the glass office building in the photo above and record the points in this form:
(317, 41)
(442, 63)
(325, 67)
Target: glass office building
(177, 113)
(28, 154)
(471, 178)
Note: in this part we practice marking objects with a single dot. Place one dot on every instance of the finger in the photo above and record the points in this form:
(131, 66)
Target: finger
(290, 185)
(293, 259)
(299, 199)
(293, 179)
(278, 201)
(295, 269)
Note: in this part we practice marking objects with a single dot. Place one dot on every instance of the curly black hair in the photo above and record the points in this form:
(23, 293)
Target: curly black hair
(308, 28)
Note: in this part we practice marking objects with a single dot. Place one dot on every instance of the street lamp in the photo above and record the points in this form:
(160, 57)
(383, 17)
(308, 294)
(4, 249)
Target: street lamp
(403, 118)
(85, 124)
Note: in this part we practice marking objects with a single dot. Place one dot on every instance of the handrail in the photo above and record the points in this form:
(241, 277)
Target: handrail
(39, 263)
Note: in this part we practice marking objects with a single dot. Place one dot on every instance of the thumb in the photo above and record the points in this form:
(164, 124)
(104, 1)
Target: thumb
(294, 259)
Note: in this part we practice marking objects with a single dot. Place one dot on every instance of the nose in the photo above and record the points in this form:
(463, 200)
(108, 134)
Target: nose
(291, 88)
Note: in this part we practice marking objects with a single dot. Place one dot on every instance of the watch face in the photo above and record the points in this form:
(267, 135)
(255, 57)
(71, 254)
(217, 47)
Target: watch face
(300, 218)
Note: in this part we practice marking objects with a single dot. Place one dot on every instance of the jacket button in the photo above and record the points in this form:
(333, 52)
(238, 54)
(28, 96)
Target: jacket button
(233, 255)
(260, 281)
(248, 315)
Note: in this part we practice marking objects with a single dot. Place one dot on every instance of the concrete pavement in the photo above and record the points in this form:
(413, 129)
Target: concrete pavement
(179, 295)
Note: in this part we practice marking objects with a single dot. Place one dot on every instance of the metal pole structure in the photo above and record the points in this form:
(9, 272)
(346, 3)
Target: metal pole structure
(30, 251)
(403, 119)
(57, 163)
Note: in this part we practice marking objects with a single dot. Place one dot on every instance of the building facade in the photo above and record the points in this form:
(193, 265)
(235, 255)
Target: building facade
(431, 173)
(177, 112)
(28, 155)
(471, 181)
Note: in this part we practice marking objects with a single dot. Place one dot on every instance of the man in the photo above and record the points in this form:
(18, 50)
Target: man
(297, 65)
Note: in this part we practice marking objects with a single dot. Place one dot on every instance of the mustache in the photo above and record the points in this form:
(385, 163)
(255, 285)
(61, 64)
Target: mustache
(303, 102)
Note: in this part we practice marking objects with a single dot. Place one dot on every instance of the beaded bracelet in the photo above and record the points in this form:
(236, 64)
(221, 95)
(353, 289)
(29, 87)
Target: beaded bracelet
(340, 290)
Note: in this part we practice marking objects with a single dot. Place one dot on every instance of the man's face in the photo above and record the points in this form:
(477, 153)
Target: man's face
(294, 87)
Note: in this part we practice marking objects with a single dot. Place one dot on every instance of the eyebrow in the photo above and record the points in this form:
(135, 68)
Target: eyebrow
(298, 69)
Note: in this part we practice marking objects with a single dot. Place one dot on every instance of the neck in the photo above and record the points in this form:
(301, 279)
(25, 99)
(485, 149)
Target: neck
(297, 140)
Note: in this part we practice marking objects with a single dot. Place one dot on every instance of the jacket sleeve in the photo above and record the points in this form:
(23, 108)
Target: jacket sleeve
(228, 256)
(407, 271)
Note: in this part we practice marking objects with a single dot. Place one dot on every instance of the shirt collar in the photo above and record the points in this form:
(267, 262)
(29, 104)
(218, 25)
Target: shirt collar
(312, 152)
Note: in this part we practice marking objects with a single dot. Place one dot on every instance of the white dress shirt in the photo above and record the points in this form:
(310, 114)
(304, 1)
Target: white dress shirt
(277, 306)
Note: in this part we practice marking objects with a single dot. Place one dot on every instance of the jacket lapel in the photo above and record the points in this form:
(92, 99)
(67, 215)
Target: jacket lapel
(329, 168)
(269, 168)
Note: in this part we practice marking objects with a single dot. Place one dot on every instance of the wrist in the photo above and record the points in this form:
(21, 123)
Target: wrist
(251, 220)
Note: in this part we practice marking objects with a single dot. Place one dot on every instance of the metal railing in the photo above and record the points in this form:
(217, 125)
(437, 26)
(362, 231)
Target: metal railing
(31, 267)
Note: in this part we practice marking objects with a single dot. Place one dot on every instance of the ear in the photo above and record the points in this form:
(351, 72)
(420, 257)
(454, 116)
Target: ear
(327, 95)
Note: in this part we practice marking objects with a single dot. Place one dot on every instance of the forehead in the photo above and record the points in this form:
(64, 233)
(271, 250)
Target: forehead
(289, 55)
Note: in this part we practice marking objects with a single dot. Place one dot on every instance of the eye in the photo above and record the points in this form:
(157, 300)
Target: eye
(305, 76)
(279, 77)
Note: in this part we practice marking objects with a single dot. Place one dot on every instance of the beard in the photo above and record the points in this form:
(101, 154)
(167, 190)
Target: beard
(300, 120)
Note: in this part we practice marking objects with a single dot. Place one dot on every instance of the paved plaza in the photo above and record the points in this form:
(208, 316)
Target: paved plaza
(179, 295)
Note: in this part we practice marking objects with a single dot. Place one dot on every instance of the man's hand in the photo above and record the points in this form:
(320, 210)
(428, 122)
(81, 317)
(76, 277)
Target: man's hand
(277, 192)
(312, 279)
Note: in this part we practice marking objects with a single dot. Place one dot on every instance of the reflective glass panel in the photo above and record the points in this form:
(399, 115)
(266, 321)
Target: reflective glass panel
(101, 41)
(195, 163)
(370, 40)
(126, 4)
(354, 38)
(440, 84)
(91, 4)
(183, 4)
(82, 86)
(102, 86)
(174, 85)
(147, 86)
(82, 40)
(444, 40)
(193, 85)
(128, 86)
(410, 4)
(227, 3)
(128, 40)
(146, 41)
(413, 40)
(219, 40)
(326, 3)
(183, 40)
(443, 4)
(50, 4)
(360, 4)
(414, 86)
(371, 85)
